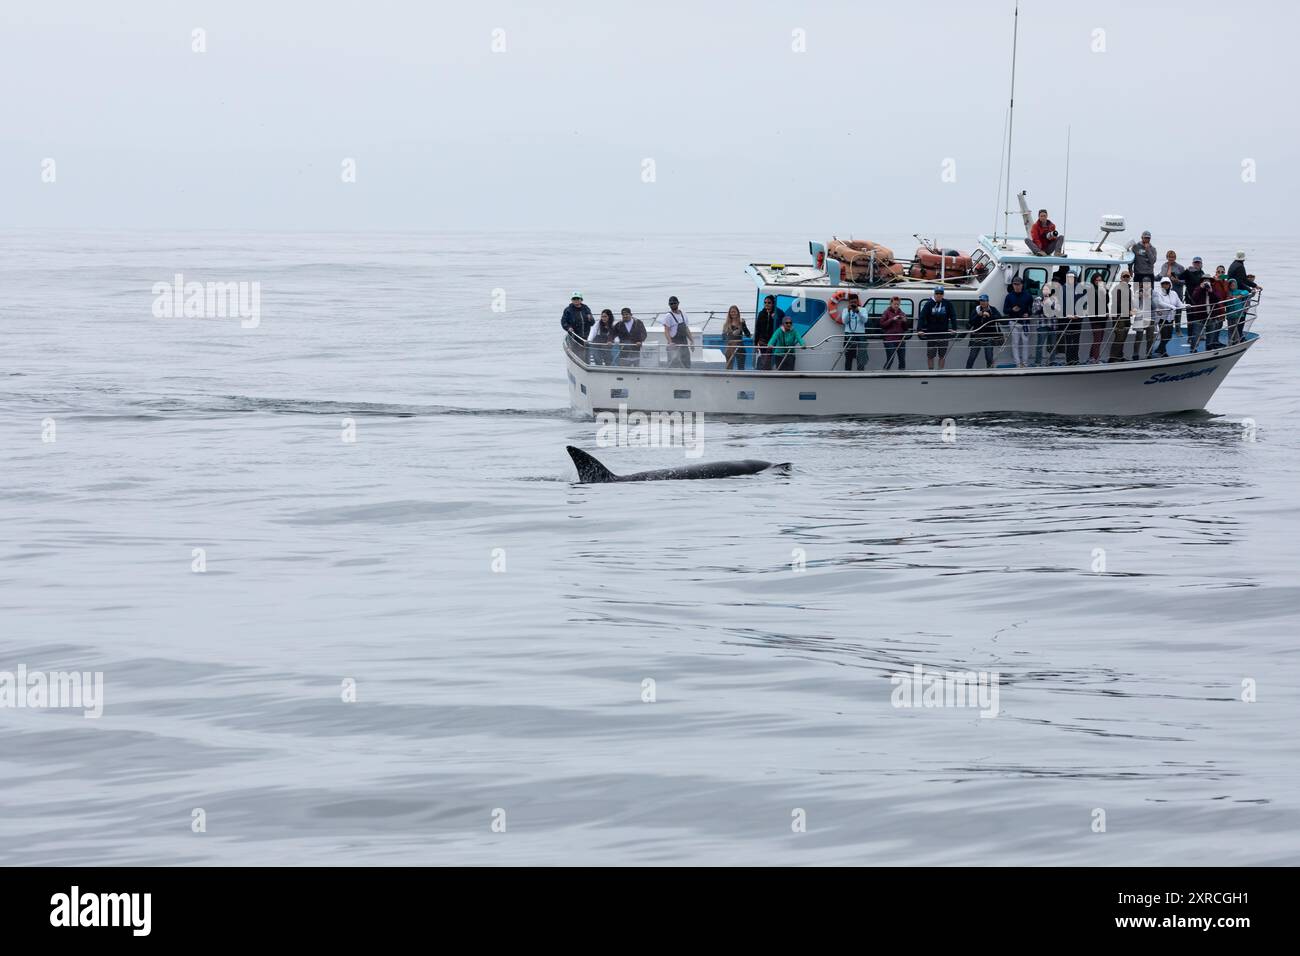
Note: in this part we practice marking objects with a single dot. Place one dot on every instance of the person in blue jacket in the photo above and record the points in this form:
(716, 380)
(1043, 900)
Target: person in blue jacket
(1018, 306)
(577, 318)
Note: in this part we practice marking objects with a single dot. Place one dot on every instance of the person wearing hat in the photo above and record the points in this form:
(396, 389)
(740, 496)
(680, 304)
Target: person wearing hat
(934, 326)
(1165, 302)
(1237, 271)
(1018, 306)
(577, 318)
(1145, 262)
(1192, 278)
(677, 330)
(984, 332)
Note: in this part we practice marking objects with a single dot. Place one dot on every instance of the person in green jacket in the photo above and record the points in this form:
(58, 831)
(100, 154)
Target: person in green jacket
(783, 343)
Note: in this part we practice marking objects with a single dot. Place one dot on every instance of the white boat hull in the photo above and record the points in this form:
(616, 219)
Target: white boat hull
(1148, 387)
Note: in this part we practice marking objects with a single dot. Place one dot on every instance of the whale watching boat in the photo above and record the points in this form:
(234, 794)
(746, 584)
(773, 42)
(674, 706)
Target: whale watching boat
(603, 377)
(1093, 381)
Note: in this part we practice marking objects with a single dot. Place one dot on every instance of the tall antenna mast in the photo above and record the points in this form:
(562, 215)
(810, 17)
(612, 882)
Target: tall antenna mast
(1011, 115)
(1065, 212)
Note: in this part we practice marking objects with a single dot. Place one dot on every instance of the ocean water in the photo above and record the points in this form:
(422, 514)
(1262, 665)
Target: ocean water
(1128, 581)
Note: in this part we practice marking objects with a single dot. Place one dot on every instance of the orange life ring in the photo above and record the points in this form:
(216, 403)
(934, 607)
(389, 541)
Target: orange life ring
(833, 305)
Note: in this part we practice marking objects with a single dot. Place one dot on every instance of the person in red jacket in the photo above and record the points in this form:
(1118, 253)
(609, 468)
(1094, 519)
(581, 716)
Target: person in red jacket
(1043, 239)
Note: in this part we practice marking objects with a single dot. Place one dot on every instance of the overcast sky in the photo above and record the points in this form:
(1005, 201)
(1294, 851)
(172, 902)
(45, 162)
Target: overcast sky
(745, 133)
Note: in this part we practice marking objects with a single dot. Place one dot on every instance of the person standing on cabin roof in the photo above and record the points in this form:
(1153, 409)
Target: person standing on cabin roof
(1145, 261)
(784, 341)
(984, 332)
(1043, 239)
(629, 333)
(677, 331)
(1018, 306)
(855, 335)
(767, 321)
(934, 325)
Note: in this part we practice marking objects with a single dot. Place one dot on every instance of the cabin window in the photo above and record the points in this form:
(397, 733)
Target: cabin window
(807, 396)
(1034, 278)
(618, 393)
(681, 393)
(1103, 271)
(745, 396)
(877, 307)
(962, 308)
(584, 389)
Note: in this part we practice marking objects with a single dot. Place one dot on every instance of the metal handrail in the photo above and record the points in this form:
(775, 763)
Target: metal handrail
(1060, 328)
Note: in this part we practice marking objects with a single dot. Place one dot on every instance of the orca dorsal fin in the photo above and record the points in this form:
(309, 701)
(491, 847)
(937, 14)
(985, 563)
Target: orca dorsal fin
(589, 469)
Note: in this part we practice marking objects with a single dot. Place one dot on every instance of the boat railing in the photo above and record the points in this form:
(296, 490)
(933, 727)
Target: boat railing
(1047, 338)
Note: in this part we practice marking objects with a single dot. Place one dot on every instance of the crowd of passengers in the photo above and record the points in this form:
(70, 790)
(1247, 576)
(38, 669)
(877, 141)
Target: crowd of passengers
(1148, 307)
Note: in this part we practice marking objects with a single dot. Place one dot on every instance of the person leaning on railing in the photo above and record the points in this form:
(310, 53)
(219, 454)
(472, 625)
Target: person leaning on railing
(734, 333)
(602, 333)
(677, 329)
(1098, 301)
(577, 320)
(1166, 303)
(855, 335)
(1201, 301)
(783, 343)
(1121, 311)
(893, 326)
(1237, 306)
(934, 325)
(984, 333)
(629, 333)
(767, 321)
(1018, 307)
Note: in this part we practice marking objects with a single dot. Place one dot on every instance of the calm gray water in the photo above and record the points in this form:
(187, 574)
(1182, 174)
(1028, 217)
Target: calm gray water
(521, 690)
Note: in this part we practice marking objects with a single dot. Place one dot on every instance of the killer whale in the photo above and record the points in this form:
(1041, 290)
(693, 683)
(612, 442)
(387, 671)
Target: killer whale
(590, 471)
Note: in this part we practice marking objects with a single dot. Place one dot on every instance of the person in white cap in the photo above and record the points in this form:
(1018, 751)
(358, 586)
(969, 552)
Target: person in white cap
(1145, 262)
(1166, 303)
(1238, 271)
